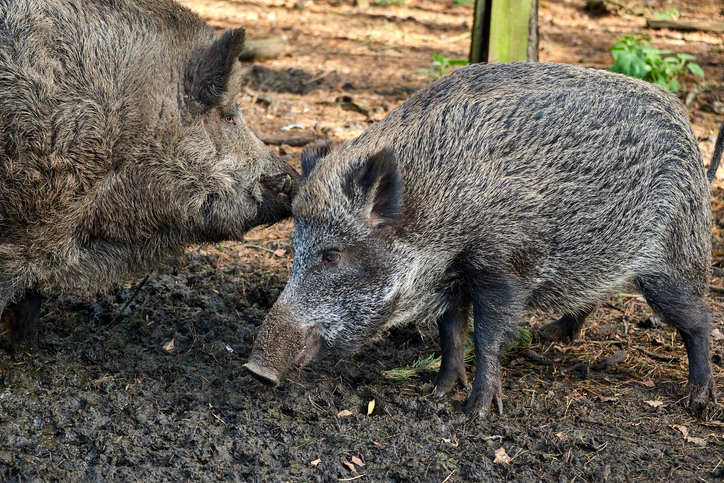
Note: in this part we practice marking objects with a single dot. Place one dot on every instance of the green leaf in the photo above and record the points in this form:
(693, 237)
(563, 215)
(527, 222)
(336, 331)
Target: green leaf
(459, 62)
(695, 69)
(674, 86)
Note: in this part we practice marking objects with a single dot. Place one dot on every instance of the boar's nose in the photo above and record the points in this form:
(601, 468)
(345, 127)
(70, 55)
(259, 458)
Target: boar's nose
(265, 375)
(282, 184)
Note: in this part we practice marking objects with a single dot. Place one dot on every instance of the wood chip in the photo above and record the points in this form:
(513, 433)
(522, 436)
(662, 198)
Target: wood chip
(655, 404)
(344, 413)
(370, 407)
(315, 463)
(357, 461)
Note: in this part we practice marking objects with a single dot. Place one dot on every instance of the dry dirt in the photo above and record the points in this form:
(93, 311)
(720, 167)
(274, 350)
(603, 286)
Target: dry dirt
(157, 393)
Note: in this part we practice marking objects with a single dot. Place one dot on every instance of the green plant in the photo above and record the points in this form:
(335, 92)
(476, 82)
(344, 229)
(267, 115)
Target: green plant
(432, 363)
(383, 3)
(635, 57)
(668, 14)
(441, 65)
(464, 2)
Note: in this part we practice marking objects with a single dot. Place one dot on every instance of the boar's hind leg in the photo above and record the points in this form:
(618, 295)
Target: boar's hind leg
(21, 320)
(566, 328)
(453, 327)
(497, 304)
(677, 303)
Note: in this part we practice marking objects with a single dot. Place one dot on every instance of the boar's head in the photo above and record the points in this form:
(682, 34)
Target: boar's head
(342, 287)
(202, 174)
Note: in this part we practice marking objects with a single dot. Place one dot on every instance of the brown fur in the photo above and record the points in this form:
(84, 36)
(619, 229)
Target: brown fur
(120, 142)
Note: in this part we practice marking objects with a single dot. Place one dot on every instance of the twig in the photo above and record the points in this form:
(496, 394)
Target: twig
(654, 355)
(248, 245)
(135, 293)
(716, 289)
(294, 140)
(448, 476)
(353, 478)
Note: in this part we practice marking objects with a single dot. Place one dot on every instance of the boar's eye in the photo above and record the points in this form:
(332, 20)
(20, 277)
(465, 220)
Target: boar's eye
(230, 119)
(331, 257)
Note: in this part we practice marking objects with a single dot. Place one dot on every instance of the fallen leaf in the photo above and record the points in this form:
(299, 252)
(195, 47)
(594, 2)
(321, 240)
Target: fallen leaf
(717, 335)
(655, 404)
(169, 347)
(697, 441)
(608, 399)
(452, 443)
(561, 436)
(501, 456)
(647, 383)
(357, 461)
(314, 463)
(350, 466)
(459, 396)
(280, 252)
(370, 407)
(344, 413)
(683, 429)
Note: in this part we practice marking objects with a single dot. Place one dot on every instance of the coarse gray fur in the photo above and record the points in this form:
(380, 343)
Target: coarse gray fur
(121, 141)
(499, 187)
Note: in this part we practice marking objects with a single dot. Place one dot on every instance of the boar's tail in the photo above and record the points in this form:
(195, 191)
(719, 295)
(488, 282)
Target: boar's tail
(716, 159)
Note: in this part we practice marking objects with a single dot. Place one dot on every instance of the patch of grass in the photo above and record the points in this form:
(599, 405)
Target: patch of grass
(441, 66)
(432, 362)
(635, 57)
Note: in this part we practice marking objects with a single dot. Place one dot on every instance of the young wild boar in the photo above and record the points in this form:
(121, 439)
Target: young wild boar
(499, 188)
(121, 141)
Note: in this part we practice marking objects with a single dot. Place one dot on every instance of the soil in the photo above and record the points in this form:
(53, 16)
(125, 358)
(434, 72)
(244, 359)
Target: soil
(155, 391)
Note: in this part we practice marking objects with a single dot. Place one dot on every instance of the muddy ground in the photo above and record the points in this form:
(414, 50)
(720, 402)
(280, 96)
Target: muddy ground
(157, 393)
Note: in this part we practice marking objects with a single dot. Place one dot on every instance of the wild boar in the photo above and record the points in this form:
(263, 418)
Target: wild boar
(121, 141)
(499, 188)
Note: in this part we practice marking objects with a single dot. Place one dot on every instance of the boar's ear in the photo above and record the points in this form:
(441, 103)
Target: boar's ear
(380, 182)
(211, 77)
(311, 154)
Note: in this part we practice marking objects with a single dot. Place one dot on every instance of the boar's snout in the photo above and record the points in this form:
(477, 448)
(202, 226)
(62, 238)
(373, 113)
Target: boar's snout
(280, 343)
(284, 184)
(265, 375)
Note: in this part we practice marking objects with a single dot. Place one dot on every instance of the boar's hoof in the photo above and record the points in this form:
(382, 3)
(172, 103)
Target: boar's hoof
(480, 399)
(700, 396)
(446, 380)
(265, 375)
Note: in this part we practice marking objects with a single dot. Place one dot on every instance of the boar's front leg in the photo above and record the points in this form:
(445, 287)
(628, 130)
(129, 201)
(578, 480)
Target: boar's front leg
(21, 320)
(498, 301)
(453, 328)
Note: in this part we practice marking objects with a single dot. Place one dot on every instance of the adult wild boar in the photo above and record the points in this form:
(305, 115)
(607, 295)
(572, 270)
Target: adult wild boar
(121, 141)
(499, 188)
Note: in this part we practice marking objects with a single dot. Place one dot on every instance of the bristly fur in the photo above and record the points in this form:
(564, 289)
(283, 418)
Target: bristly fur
(525, 185)
(121, 141)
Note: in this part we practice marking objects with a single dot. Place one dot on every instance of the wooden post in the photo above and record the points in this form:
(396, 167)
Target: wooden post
(504, 31)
